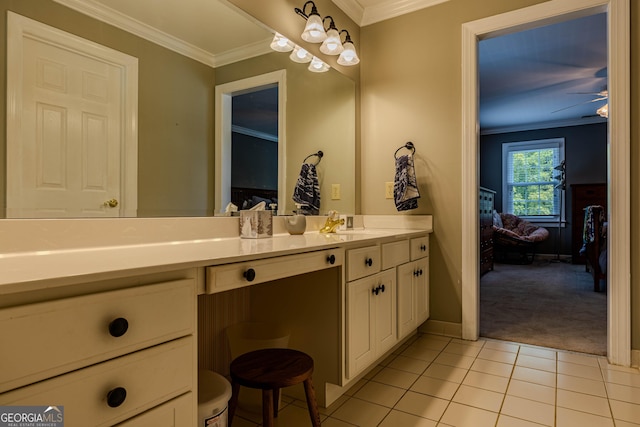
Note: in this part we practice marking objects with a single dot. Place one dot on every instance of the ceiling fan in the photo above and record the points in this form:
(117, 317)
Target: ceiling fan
(603, 95)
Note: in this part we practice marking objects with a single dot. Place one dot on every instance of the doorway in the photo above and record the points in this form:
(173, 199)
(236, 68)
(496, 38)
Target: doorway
(542, 150)
(224, 133)
(618, 332)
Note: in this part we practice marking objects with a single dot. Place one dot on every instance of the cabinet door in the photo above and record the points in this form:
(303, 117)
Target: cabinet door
(360, 318)
(175, 413)
(406, 308)
(384, 299)
(421, 286)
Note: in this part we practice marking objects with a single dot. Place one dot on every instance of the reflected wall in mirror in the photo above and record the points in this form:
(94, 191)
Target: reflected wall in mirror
(176, 114)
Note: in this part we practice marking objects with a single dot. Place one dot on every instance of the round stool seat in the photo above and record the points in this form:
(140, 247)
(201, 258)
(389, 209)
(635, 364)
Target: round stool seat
(271, 368)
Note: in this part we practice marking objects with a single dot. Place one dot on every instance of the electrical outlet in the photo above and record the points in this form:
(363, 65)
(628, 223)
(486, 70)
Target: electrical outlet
(335, 191)
(349, 222)
(388, 190)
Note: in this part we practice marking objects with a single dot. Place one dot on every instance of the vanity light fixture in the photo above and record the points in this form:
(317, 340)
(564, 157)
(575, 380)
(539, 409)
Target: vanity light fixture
(317, 65)
(281, 44)
(300, 55)
(332, 45)
(348, 56)
(314, 30)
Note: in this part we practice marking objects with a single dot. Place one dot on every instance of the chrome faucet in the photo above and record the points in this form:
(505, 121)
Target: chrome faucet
(333, 222)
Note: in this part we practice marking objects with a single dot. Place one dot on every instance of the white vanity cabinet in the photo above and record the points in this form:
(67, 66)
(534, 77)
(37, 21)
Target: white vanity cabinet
(413, 287)
(371, 309)
(106, 357)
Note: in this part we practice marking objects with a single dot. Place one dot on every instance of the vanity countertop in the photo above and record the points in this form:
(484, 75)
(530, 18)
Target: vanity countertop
(36, 269)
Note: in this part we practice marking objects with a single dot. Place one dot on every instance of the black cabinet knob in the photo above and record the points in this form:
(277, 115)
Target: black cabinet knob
(368, 262)
(116, 397)
(423, 248)
(382, 288)
(250, 274)
(118, 327)
(331, 259)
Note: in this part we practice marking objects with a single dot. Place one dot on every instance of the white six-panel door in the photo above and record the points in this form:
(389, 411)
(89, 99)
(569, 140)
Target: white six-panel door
(67, 151)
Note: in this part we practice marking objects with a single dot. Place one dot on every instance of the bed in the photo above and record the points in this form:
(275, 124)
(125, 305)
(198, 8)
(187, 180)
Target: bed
(594, 244)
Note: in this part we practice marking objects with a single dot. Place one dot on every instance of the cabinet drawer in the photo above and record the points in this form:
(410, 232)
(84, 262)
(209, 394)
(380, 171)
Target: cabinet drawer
(239, 274)
(362, 262)
(419, 247)
(45, 339)
(395, 253)
(148, 377)
(178, 412)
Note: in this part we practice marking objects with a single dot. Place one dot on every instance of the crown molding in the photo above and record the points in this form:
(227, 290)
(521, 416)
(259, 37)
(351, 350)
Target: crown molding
(126, 23)
(385, 10)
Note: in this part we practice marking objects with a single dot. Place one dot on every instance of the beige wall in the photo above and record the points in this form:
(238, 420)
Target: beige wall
(421, 102)
(410, 91)
(320, 116)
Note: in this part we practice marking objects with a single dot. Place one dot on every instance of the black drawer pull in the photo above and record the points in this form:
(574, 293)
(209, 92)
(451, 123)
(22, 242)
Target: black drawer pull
(116, 397)
(368, 262)
(423, 248)
(118, 327)
(250, 275)
(331, 259)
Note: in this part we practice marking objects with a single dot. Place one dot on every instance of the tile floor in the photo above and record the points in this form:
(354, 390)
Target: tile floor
(438, 381)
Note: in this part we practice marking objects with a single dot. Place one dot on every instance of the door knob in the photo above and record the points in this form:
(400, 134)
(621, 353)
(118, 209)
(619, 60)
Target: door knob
(111, 203)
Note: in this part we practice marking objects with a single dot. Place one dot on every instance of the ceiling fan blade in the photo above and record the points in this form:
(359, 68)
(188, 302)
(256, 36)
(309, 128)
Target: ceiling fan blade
(575, 105)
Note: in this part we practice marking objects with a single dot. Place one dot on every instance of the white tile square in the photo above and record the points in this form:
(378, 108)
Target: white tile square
(615, 376)
(502, 346)
(581, 371)
(329, 422)
(455, 360)
(418, 352)
(493, 368)
(435, 387)
(466, 416)
(478, 343)
(380, 394)
(497, 356)
(462, 349)
(531, 391)
(539, 363)
(397, 418)
(357, 386)
(444, 372)
(422, 405)
(486, 381)
(570, 418)
(538, 352)
(534, 376)
(361, 413)
(507, 421)
(479, 398)
(432, 342)
(579, 359)
(581, 385)
(623, 393)
(625, 411)
(583, 402)
(409, 364)
(529, 410)
(395, 378)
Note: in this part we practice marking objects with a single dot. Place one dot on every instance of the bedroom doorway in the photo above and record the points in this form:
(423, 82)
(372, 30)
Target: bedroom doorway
(618, 317)
(540, 292)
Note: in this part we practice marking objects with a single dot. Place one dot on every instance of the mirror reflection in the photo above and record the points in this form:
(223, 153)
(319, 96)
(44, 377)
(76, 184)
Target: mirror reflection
(175, 124)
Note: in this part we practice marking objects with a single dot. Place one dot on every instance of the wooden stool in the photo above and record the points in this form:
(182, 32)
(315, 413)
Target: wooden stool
(269, 370)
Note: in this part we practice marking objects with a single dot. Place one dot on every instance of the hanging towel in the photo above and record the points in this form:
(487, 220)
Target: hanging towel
(405, 188)
(307, 190)
(588, 232)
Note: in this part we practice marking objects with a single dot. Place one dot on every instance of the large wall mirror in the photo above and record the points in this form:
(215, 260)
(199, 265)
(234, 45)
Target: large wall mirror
(176, 115)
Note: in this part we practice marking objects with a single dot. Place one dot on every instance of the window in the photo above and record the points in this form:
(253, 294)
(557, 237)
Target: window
(530, 180)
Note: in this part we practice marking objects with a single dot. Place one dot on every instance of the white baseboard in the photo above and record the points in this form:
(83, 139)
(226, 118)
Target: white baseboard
(635, 358)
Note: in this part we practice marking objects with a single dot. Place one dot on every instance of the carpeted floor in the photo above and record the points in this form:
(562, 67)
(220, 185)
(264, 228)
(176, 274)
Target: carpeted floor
(546, 304)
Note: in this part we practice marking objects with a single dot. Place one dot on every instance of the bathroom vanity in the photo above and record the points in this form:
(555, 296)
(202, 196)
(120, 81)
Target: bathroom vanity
(114, 326)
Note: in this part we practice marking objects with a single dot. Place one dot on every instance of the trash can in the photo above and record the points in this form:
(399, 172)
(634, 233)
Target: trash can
(249, 336)
(214, 392)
